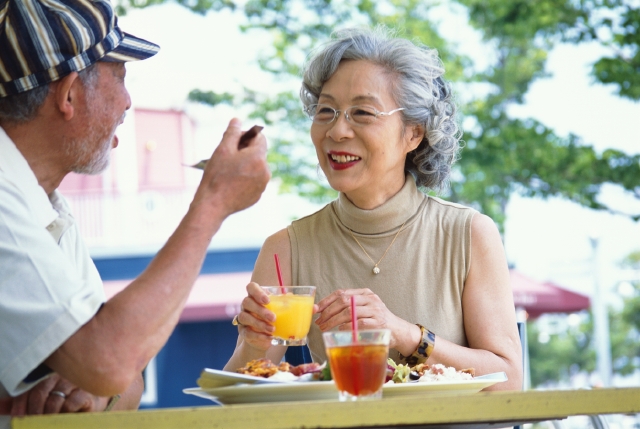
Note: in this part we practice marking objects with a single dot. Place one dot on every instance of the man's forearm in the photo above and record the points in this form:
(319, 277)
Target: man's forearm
(109, 351)
(130, 398)
(140, 318)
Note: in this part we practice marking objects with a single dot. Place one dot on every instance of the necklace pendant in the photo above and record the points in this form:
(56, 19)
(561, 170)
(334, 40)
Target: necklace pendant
(376, 270)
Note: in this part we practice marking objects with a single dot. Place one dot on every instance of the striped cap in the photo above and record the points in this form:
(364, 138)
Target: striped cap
(42, 41)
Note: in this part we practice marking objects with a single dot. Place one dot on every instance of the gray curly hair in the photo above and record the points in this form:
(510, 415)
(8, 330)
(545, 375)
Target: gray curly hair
(419, 88)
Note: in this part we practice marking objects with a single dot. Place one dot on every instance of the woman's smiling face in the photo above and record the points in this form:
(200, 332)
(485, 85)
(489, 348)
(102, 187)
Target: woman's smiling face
(366, 162)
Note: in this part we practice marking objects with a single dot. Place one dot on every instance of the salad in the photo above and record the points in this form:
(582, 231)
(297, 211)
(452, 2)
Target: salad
(401, 373)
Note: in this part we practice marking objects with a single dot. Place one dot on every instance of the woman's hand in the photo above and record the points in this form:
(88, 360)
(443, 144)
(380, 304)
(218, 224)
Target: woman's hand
(372, 313)
(56, 395)
(255, 321)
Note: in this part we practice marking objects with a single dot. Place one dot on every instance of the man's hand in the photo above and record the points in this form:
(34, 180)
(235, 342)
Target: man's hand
(56, 395)
(234, 178)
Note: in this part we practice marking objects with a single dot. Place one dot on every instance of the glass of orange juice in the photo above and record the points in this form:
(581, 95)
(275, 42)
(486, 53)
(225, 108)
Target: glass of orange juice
(293, 307)
(358, 365)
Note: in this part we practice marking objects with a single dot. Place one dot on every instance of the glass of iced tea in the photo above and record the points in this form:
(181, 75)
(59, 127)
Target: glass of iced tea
(358, 365)
(293, 307)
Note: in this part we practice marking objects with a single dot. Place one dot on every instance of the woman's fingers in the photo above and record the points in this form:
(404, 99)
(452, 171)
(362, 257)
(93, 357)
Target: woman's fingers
(257, 293)
(341, 295)
(338, 312)
(255, 320)
(255, 339)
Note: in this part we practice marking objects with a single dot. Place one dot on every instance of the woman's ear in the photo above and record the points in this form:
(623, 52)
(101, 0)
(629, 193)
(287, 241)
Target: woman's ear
(415, 136)
(66, 93)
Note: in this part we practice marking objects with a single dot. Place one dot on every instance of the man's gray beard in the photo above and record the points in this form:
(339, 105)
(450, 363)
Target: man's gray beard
(98, 162)
(78, 150)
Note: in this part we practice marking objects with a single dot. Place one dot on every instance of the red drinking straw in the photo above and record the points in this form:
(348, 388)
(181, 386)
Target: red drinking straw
(275, 256)
(354, 320)
(355, 367)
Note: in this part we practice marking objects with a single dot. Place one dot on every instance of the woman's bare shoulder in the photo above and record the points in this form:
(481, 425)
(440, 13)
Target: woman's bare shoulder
(277, 240)
(264, 271)
(483, 229)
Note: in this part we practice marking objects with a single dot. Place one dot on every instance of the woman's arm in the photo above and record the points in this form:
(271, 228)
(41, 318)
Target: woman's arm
(254, 331)
(488, 311)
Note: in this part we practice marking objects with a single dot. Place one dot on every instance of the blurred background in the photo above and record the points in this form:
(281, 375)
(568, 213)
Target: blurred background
(548, 92)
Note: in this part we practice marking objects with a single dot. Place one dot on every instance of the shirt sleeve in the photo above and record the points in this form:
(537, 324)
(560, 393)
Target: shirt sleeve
(46, 293)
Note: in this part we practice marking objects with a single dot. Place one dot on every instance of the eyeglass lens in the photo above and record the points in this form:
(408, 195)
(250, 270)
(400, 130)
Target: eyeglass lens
(361, 115)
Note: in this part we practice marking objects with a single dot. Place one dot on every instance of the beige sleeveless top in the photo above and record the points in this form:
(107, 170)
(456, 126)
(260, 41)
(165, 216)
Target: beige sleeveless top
(422, 276)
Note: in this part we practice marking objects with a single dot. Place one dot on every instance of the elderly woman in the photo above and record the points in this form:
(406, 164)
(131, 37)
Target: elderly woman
(431, 271)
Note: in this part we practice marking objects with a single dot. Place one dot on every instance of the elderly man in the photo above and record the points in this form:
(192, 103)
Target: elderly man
(62, 96)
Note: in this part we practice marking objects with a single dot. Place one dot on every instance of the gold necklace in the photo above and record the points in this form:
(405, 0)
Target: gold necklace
(376, 270)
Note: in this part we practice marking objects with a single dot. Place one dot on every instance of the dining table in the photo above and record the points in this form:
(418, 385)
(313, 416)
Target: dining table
(466, 411)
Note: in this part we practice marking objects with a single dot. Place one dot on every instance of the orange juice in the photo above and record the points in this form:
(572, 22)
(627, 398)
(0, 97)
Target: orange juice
(293, 310)
(293, 315)
(360, 369)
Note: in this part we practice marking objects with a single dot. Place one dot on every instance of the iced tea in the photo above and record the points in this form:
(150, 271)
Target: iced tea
(358, 367)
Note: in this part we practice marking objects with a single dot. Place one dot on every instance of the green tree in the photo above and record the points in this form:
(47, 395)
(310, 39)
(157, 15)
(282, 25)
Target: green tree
(626, 334)
(560, 355)
(614, 24)
(503, 155)
(554, 358)
(541, 163)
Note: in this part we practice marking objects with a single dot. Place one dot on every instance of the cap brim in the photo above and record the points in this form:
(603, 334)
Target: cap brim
(131, 48)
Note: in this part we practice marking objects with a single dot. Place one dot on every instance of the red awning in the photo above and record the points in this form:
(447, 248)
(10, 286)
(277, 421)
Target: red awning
(538, 298)
(213, 297)
(218, 296)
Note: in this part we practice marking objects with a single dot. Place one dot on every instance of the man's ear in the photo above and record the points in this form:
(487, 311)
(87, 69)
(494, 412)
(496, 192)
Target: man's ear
(416, 135)
(66, 94)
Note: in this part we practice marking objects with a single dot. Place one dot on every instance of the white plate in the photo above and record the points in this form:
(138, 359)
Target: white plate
(273, 392)
(443, 388)
(213, 378)
(326, 390)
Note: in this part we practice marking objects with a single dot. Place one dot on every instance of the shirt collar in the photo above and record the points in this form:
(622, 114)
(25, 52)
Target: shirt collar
(16, 170)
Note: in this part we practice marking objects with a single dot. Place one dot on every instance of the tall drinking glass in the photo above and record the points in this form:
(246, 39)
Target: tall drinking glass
(358, 367)
(293, 307)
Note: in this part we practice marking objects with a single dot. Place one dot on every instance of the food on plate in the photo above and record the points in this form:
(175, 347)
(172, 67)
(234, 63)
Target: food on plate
(304, 368)
(261, 368)
(400, 373)
(283, 371)
(396, 373)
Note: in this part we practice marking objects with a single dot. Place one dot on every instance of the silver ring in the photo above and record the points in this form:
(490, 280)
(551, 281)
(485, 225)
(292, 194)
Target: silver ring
(235, 321)
(58, 393)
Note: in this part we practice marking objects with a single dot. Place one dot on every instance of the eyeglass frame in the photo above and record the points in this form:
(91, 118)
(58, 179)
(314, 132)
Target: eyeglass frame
(336, 113)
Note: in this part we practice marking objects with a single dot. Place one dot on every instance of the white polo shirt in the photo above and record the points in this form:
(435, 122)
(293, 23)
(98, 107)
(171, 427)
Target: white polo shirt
(49, 286)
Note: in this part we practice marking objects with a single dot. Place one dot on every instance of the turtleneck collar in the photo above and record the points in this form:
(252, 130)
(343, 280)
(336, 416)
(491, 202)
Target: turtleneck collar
(387, 217)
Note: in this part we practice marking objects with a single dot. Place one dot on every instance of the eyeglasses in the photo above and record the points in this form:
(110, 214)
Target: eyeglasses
(356, 115)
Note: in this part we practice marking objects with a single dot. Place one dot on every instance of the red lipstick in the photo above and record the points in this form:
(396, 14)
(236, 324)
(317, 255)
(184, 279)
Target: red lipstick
(336, 165)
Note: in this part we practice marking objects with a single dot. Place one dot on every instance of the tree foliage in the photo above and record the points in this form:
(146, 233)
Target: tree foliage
(546, 164)
(614, 24)
(560, 355)
(503, 154)
(568, 352)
